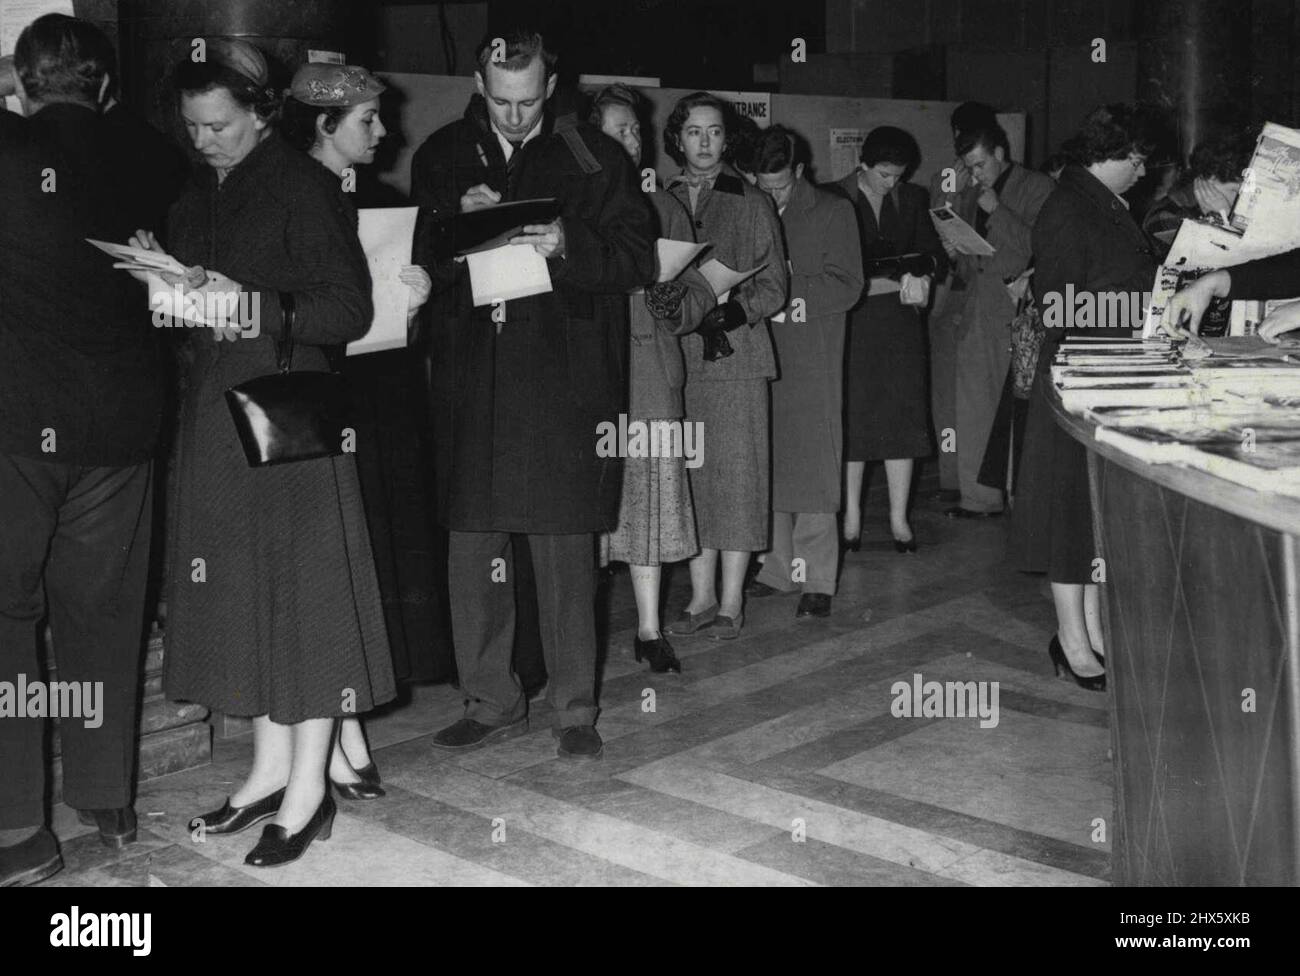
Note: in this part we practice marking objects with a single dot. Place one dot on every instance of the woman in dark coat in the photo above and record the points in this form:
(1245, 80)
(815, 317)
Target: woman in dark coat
(332, 114)
(274, 608)
(1086, 239)
(886, 399)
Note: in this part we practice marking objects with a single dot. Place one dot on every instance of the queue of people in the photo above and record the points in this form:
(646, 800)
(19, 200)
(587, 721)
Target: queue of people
(797, 376)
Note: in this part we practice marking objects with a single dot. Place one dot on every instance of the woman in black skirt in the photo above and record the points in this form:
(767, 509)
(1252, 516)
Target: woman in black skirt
(1086, 239)
(886, 400)
(274, 610)
(332, 114)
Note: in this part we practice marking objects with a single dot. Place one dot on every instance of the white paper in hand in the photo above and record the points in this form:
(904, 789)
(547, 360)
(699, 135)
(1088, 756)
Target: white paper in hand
(175, 306)
(722, 279)
(675, 257)
(507, 272)
(386, 234)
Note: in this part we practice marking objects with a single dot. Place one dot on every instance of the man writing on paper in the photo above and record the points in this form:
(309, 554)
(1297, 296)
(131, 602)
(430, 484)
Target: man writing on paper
(517, 408)
(1009, 198)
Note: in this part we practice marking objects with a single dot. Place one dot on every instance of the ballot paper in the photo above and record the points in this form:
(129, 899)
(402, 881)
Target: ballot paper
(959, 234)
(386, 234)
(138, 259)
(722, 278)
(507, 272)
(676, 256)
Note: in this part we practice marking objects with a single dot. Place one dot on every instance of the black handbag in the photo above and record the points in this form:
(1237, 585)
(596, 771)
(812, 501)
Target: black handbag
(288, 416)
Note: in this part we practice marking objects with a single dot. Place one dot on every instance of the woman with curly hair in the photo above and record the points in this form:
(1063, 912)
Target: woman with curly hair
(729, 361)
(1084, 239)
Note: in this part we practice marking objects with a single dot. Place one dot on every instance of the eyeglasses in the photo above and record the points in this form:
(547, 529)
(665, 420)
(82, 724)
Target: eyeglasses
(1136, 161)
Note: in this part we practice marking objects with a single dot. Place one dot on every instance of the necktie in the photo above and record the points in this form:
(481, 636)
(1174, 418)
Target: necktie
(514, 156)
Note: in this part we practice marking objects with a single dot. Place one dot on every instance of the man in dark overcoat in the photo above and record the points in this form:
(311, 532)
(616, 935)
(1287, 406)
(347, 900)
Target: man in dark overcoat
(520, 388)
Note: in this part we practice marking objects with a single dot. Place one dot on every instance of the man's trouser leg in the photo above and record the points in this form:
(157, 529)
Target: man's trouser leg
(85, 532)
(777, 568)
(565, 570)
(483, 625)
(95, 583)
(816, 543)
(983, 356)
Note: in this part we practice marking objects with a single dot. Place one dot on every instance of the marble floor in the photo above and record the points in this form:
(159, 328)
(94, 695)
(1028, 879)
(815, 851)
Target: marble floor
(776, 759)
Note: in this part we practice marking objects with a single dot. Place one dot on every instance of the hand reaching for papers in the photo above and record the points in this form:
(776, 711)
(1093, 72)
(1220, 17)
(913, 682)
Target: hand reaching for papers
(145, 241)
(547, 239)
(195, 279)
(1185, 310)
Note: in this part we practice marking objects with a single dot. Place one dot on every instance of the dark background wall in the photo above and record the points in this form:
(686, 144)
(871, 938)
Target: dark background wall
(1020, 55)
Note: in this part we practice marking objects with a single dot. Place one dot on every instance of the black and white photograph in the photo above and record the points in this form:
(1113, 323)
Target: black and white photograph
(642, 443)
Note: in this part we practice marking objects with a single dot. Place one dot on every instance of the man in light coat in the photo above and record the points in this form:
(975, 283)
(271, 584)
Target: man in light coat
(1009, 198)
(821, 236)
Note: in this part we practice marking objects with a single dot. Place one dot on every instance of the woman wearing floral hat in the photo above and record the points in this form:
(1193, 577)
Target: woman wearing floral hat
(332, 114)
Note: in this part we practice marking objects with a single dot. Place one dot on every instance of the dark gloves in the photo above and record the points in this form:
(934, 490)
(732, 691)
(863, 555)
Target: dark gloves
(715, 325)
(664, 300)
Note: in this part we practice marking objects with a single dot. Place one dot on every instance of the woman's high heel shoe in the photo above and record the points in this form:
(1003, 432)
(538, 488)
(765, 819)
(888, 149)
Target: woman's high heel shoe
(231, 820)
(901, 547)
(362, 789)
(369, 774)
(1057, 653)
(659, 653)
(278, 846)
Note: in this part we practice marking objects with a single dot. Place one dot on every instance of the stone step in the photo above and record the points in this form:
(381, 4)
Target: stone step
(167, 751)
(156, 716)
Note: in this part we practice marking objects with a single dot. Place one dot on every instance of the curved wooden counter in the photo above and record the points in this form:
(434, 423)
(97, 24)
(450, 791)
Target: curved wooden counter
(1202, 619)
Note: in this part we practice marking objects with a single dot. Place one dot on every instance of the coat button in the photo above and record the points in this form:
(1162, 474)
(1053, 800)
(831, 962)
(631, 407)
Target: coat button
(699, 224)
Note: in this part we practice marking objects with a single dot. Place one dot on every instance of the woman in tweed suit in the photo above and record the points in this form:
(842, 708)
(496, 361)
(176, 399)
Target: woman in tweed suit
(274, 607)
(729, 362)
(656, 522)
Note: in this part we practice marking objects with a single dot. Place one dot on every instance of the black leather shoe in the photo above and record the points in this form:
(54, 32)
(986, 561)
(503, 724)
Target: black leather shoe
(369, 774)
(659, 653)
(117, 828)
(278, 846)
(965, 513)
(759, 590)
(360, 790)
(579, 743)
(814, 605)
(901, 547)
(30, 861)
(1061, 664)
(231, 820)
(469, 734)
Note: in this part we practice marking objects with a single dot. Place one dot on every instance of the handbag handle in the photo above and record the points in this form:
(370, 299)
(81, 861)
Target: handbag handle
(284, 348)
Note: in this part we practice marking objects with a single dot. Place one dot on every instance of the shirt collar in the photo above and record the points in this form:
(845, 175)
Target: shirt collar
(684, 178)
(507, 147)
